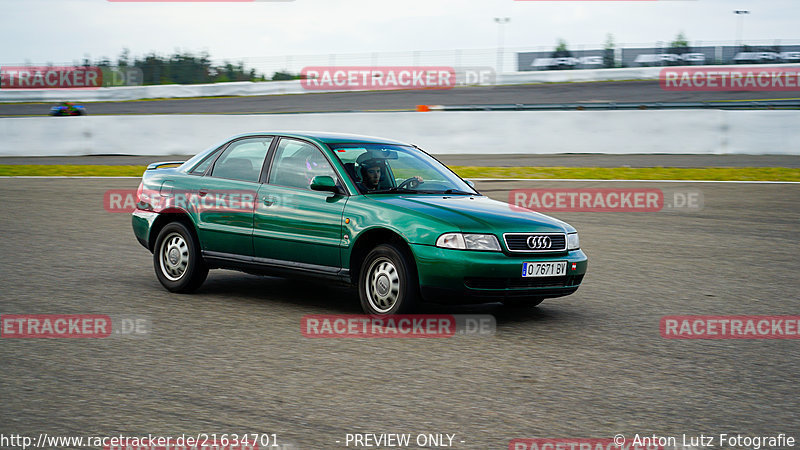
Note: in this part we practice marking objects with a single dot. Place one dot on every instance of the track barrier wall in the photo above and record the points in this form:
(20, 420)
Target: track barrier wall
(248, 88)
(457, 132)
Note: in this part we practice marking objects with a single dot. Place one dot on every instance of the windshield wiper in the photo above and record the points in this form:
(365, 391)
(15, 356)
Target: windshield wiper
(394, 190)
(457, 192)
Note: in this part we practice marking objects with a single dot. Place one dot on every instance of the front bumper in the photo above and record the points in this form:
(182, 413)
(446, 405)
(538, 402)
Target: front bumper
(462, 276)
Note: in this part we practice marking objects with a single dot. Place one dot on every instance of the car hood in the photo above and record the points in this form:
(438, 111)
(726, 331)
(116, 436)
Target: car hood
(477, 213)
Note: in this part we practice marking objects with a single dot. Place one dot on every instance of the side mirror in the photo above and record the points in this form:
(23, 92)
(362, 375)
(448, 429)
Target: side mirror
(324, 183)
(470, 183)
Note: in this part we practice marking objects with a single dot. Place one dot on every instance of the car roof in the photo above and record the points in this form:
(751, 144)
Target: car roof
(327, 137)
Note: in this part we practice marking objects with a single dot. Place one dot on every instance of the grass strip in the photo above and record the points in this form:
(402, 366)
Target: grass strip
(82, 170)
(598, 173)
(631, 173)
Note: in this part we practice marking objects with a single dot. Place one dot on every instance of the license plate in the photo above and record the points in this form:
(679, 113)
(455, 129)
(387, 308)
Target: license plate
(544, 269)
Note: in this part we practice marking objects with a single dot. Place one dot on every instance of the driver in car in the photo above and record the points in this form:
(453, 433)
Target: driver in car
(371, 172)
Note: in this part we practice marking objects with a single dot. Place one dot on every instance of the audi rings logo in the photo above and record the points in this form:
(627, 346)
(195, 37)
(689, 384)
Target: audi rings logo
(535, 242)
(539, 242)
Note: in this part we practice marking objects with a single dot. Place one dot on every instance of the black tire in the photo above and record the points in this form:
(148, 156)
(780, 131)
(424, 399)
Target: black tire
(523, 302)
(177, 259)
(388, 283)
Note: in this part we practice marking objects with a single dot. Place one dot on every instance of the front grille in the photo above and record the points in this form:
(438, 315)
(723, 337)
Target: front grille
(522, 283)
(536, 242)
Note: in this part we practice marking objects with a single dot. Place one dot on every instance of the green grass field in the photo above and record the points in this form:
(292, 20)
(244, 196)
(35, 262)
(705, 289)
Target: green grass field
(599, 173)
(30, 170)
(628, 173)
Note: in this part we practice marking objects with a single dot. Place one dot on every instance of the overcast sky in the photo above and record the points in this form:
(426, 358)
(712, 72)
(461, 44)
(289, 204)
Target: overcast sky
(62, 31)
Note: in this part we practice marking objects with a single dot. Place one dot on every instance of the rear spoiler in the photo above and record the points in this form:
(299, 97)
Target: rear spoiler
(159, 165)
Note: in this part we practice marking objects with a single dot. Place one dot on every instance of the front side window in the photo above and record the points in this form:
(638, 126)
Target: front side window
(296, 163)
(242, 160)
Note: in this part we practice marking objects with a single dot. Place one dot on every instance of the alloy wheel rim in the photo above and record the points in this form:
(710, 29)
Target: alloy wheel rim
(382, 285)
(174, 257)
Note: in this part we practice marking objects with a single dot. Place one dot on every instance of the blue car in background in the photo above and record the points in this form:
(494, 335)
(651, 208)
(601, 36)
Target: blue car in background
(68, 109)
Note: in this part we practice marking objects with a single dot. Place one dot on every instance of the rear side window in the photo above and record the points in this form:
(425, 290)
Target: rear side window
(242, 160)
(203, 166)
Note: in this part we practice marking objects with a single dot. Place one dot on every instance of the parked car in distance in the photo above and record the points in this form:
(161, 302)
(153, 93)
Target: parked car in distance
(379, 214)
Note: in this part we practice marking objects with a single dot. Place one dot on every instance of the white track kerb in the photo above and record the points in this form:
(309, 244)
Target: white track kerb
(456, 132)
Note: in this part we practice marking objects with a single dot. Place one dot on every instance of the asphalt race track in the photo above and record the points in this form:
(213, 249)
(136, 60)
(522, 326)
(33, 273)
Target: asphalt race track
(623, 91)
(231, 358)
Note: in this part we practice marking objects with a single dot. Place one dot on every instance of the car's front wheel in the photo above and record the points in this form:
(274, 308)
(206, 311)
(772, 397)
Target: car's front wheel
(388, 281)
(177, 260)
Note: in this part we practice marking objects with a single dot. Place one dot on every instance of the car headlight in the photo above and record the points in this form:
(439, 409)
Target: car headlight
(462, 241)
(573, 243)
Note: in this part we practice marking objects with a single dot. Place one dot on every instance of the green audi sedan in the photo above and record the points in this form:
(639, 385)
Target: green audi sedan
(378, 214)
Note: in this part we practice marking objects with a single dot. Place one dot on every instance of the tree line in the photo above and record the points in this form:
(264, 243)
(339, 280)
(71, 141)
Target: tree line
(186, 68)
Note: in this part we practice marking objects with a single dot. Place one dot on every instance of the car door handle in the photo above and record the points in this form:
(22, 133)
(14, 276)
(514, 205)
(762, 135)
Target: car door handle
(267, 201)
(203, 192)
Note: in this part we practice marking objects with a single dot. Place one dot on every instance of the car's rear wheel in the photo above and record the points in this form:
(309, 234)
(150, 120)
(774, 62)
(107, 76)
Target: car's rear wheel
(177, 260)
(388, 281)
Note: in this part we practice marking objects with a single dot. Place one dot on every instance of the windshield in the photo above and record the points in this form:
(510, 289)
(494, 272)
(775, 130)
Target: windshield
(385, 168)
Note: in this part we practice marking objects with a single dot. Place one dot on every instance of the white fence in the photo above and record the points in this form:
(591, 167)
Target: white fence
(248, 88)
(155, 91)
(478, 132)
